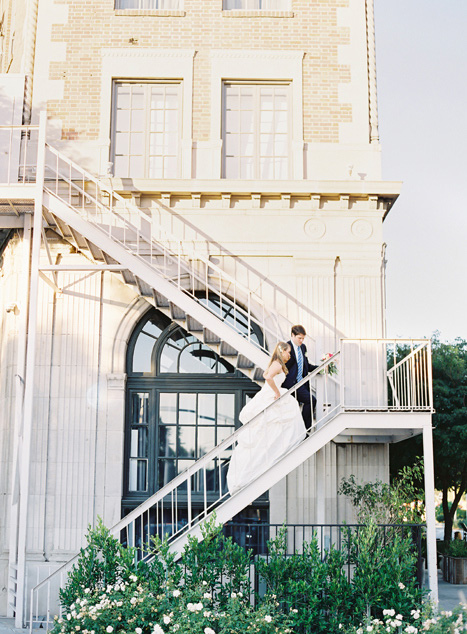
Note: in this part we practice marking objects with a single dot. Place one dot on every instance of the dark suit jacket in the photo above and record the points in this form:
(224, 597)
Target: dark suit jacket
(292, 366)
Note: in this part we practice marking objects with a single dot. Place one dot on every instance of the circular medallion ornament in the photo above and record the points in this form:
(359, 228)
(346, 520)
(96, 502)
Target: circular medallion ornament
(315, 228)
(362, 229)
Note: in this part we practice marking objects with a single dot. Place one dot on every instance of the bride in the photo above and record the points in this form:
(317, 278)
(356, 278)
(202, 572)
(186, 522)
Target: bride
(273, 433)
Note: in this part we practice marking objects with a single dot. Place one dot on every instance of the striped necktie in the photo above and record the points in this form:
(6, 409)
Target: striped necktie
(300, 365)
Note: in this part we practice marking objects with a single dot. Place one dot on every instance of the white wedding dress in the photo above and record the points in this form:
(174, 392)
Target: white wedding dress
(273, 434)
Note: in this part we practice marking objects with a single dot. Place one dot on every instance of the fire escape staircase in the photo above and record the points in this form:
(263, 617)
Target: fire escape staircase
(238, 313)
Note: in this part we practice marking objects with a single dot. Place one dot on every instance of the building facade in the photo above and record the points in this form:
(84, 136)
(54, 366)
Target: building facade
(247, 132)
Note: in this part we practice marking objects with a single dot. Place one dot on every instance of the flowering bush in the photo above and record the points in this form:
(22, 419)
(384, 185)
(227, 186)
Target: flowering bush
(207, 591)
(164, 596)
(417, 623)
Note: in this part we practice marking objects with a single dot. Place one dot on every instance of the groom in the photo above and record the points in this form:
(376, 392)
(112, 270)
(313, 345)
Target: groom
(298, 367)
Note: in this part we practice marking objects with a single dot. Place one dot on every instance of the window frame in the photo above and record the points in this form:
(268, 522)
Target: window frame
(146, 156)
(288, 6)
(257, 85)
(158, 382)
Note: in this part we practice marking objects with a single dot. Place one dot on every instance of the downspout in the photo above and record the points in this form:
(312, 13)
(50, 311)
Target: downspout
(383, 290)
(27, 64)
(337, 262)
(371, 65)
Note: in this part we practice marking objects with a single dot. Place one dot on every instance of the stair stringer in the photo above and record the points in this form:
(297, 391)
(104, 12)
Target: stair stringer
(149, 275)
(236, 503)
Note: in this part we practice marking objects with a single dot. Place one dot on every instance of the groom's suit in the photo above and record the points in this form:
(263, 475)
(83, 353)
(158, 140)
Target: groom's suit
(303, 393)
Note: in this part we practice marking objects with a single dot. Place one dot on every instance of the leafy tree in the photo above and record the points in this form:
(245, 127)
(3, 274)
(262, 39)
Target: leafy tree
(449, 427)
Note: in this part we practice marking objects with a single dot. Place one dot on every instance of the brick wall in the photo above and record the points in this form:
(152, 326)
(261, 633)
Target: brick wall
(312, 26)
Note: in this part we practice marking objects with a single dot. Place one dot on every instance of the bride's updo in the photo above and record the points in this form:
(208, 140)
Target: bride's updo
(281, 347)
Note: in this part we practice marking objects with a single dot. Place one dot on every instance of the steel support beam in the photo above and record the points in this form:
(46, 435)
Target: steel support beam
(29, 379)
(430, 512)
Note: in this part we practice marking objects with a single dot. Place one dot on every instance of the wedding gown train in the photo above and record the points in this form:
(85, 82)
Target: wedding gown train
(273, 434)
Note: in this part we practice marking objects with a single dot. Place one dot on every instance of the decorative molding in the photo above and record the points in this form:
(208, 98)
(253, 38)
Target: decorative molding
(116, 381)
(315, 228)
(362, 229)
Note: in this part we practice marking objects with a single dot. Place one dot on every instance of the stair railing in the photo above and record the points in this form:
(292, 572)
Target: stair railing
(392, 374)
(161, 513)
(182, 259)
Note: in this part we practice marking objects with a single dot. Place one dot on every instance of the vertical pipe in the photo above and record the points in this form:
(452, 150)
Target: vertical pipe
(30, 370)
(19, 393)
(430, 511)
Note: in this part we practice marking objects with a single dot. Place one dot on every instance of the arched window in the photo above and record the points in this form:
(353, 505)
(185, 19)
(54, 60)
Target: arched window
(182, 400)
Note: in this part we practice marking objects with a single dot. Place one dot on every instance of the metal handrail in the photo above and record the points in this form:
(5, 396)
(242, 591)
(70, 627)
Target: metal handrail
(232, 280)
(242, 301)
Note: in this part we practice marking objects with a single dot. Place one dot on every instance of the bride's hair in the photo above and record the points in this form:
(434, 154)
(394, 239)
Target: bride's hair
(281, 347)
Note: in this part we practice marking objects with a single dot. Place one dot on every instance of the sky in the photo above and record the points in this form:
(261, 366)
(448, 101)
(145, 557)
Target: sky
(421, 55)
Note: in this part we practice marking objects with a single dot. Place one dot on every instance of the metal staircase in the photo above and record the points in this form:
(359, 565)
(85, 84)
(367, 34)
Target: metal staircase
(203, 486)
(239, 320)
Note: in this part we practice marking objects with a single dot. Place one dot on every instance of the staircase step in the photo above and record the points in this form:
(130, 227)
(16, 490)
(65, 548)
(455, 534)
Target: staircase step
(129, 277)
(176, 312)
(228, 351)
(144, 289)
(193, 325)
(244, 363)
(161, 301)
(210, 337)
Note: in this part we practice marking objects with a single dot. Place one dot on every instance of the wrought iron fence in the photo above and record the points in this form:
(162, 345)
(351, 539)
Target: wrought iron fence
(255, 536)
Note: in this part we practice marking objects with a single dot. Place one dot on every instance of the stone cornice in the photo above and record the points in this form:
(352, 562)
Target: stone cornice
(381, 189)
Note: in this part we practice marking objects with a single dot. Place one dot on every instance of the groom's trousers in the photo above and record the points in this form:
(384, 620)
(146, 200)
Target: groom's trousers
(308, 401)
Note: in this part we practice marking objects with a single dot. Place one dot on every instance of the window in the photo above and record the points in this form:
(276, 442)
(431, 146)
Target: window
(182, 400)
(256, 131)
(255, 5)
(146, 130)
(162, 5)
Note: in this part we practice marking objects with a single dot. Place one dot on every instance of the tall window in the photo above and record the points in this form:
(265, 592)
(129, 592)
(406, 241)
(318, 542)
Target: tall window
(146, 130)
(182, 400)
(255, 5)
(256, 131)
(163, 5)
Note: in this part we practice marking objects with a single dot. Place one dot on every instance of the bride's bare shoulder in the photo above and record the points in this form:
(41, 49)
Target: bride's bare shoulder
(273, 369)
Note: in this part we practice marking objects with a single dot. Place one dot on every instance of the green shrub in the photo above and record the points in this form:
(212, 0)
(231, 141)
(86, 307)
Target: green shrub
(456, 548)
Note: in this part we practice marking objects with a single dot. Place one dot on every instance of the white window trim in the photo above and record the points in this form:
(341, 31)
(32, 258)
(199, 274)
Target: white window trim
(146, 65)
(248, 65)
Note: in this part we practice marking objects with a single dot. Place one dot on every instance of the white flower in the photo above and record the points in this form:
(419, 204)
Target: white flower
(176, 593)
(157, 629)
(205, 583)
(233, 595)
(206, 595)
(133, 578)
(208, 630)
(399, 617)
(207, 613)
(138, 630)
(133, 600)
(240, 594)
(268, 618)
(198, 606)
(166, 619)
(176, 627)
(415, 614)
(191, 607)
(389, 612)
(401, 585)
(87, 590)
(410, 629)
(109, 629)
(369, 628)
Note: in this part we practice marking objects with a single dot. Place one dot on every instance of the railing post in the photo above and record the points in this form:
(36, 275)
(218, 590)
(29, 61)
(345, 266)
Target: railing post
(430, 511)
(30, 371)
